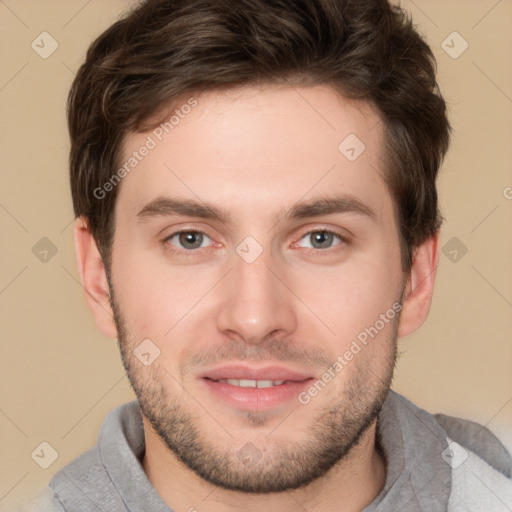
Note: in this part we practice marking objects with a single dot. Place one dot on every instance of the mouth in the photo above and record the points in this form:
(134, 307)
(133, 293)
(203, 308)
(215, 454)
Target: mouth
(250, 388)
(246, 383)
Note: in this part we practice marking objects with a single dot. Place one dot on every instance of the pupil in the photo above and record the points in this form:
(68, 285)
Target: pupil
(322, 238)
(192, 240)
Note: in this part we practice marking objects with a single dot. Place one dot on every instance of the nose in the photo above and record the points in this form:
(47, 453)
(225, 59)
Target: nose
(256, 302)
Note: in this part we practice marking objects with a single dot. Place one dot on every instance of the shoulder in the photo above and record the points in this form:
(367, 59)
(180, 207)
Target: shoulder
(92, 480)
(479, 440)
(477, 484)
(481, 466)
(85, 467)
(45, 501)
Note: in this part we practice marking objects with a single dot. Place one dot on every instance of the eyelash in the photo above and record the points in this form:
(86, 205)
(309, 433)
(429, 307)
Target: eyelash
(194, 252)
(185, 252)
(343, 240)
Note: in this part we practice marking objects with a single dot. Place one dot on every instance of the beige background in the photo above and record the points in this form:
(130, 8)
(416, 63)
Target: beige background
(60, 377)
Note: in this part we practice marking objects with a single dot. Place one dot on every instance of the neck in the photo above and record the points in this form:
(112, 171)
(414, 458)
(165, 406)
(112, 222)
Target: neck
(351, 485)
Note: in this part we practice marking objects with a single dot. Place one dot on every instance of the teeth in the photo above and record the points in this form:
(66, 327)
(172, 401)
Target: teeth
(245, 383)
(268, 383)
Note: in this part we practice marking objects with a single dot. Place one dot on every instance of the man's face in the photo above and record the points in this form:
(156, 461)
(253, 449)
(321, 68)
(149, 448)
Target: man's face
(267, 292)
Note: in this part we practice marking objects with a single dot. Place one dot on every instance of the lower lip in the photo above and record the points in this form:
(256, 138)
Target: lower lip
(256, 398)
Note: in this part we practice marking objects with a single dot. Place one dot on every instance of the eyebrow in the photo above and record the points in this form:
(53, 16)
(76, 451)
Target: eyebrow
(167, 206)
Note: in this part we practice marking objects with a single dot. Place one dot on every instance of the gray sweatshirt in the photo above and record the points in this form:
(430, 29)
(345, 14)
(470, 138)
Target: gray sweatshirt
(433, 464)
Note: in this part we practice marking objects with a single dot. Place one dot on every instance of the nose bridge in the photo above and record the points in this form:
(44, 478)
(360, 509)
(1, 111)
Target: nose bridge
(256, 302)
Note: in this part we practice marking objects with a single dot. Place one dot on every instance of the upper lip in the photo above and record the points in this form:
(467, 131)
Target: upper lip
(244, 372)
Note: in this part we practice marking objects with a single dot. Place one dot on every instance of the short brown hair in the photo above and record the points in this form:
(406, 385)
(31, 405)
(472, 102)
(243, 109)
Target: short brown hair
(166, 49)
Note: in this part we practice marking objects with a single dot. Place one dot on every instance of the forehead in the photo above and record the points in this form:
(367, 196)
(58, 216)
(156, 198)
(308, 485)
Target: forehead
(264, 147)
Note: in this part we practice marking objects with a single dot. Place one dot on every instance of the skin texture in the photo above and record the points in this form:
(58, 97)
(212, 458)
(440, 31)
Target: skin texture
(256, 152)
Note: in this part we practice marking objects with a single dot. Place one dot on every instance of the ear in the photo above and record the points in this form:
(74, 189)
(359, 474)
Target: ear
(94, 278)
(420, 286)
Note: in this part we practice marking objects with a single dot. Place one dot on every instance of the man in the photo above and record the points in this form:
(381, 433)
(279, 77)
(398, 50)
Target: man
(257, 224)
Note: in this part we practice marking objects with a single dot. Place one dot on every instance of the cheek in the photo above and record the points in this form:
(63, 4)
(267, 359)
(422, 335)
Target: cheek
(160, 301)
(362, 310)
(351, 297)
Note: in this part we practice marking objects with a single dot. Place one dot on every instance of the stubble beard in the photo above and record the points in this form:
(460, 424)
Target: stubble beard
(272, 466)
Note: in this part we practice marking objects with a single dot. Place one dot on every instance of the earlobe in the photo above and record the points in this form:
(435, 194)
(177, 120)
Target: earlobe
(420, 286)
(94, 278)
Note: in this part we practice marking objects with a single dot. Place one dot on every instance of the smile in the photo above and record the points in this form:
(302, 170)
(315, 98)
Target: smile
(245, 383)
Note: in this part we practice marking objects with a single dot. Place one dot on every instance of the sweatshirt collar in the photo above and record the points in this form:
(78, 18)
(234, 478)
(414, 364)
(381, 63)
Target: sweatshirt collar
(417, 478)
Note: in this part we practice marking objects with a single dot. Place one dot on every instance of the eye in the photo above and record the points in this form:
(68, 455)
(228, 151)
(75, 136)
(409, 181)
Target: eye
(188, 240)
(322, 239)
